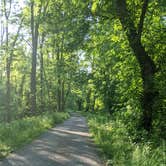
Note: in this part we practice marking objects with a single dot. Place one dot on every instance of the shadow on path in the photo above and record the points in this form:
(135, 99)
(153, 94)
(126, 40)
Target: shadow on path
(67, 144)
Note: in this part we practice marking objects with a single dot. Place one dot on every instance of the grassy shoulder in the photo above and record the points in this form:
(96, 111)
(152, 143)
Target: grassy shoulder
(21, 132)
(118, 147)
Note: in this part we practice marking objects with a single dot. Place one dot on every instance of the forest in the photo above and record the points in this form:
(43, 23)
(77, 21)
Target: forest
(103, 59)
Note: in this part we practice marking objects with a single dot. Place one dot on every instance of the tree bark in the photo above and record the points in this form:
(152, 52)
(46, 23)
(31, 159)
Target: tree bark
(34, 31)
(88, 100)
(79, 104)
(62, 96)
(58, 80)
(41, 74)
(147, 65)
(7, 14)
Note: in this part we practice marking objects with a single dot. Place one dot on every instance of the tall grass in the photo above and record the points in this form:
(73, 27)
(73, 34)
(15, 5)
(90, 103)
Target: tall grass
(19, 132)
(118, 146)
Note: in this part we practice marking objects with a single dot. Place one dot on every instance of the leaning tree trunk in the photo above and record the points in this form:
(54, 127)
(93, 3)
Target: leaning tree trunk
(147, 72)
(146, 63)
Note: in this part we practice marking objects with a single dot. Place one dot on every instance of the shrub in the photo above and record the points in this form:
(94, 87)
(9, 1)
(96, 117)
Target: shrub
(117, 145)
(19, 132)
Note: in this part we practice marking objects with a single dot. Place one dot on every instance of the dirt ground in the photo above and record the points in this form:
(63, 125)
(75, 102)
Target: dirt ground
(67, 144)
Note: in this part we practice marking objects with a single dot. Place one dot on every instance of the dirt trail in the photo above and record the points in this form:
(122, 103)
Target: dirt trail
(67, 144)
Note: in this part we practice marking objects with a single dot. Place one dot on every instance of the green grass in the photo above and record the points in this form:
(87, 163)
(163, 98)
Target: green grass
(21, 132)
(117, 146)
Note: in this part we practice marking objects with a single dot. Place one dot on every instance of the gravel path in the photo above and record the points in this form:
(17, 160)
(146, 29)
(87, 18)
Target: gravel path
(67, 144)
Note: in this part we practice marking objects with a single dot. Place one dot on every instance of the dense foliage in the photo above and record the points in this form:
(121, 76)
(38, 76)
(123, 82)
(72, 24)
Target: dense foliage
(117, 143)
(93, 56)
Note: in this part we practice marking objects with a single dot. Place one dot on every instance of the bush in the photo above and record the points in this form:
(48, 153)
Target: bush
(19, 132)
(117, 145)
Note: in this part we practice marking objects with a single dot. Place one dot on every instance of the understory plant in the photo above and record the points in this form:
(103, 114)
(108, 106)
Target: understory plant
(19, 132)
(117, 144)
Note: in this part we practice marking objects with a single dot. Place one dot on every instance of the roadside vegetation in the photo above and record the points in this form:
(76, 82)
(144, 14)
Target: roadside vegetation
(104, 56)
(20, 132)
(120, 148)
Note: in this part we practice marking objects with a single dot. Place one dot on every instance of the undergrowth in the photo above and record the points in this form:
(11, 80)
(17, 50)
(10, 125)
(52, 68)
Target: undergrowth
(20, 132)
(118, 146)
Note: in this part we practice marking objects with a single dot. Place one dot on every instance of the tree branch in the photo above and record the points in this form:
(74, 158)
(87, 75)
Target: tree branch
(17, 34)
(142, 17)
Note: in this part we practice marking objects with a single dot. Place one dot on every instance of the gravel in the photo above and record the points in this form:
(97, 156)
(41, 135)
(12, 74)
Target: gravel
(67, 144)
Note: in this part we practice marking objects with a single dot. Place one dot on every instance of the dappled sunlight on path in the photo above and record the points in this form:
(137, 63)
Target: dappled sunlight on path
(67, 144)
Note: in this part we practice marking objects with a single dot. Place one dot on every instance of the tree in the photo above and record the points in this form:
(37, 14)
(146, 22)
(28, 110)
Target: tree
(35, 23)
(122, 11)
(9, 50)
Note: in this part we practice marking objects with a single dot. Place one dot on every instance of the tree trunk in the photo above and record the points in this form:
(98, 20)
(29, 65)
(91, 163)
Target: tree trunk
(34, 31)
(8, 90)
(58, 81)
(149, 92)
(146, 63)
(88, 100)
(8, 64)
(79, 104)
(62, 96)
(48, 88)
(20, 92)
(41, 74)
(93, 103)
(7, 104)
(9, 56)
